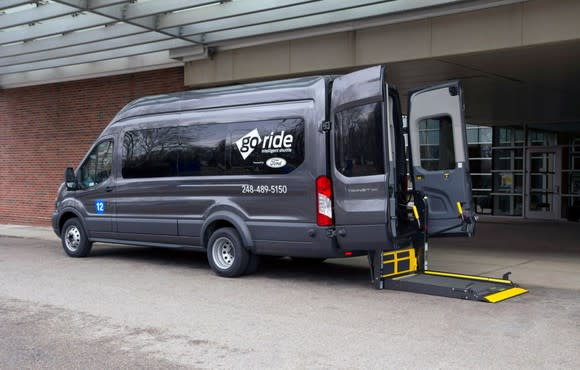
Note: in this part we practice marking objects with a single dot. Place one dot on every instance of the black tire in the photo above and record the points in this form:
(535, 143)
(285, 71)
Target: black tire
(253, 264)
(308, 261)
(74, 239)
(226, 254)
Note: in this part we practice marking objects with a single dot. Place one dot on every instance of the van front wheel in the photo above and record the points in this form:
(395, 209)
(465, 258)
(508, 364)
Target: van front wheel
(74, 239)
(226, 254)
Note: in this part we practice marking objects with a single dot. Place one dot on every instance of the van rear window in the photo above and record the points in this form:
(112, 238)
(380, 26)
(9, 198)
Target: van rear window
(358, 145)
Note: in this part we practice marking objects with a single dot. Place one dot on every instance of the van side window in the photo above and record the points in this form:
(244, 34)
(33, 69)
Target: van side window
(359, 141)
(266, 147)
(97, 166)
(151, 153)
(436, 143)
(203, 150)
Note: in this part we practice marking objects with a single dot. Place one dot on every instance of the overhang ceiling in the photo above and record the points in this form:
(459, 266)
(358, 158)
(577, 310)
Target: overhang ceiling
(46, 41)
(539, 84)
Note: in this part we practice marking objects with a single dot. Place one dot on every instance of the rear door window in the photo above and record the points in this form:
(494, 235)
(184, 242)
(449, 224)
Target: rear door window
(436, 143)
(359, 141)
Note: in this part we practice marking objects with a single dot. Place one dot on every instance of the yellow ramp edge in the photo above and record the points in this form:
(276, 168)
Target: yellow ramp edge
(505, 294)
(470, 277)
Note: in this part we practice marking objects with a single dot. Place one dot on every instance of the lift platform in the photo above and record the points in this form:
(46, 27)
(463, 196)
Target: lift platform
(400, 272)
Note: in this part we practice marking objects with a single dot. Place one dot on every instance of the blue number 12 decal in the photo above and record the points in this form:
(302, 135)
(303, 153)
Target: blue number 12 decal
(100, 206)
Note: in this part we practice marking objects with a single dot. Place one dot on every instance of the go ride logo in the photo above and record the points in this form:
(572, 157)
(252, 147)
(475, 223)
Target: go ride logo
(273, 143)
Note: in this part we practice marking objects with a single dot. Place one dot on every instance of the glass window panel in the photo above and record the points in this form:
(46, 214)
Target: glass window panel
(504, 136)
(507, 205)
(541, 138)
(541, 201)
(266, 147)
(97, 167)
(485, 134)
(359, 141)
(203, 149)
(480, 151)
(437, 153)
(472, 136)
(519, 137)
(151, 153)
(481, 181)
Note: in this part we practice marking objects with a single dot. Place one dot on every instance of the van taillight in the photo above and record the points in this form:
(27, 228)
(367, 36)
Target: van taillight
(324, 201)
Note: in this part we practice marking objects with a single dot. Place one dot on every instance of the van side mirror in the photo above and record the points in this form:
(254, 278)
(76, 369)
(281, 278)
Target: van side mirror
(70, 179)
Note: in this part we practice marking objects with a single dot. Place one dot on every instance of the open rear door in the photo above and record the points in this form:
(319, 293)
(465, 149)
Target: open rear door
(440, 163)
(359, 159)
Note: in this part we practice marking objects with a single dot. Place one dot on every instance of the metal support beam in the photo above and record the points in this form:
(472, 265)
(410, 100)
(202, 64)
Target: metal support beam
(137, 63)
(273, 15)
(119, 13)
(121, 42)
(70, 39)
(363, 12)
(6, 4)
(98, 56)
(54, 28)
(224, 10)
(40, 13)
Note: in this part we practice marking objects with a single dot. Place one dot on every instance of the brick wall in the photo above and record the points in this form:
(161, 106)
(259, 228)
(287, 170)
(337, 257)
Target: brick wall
(44, 129)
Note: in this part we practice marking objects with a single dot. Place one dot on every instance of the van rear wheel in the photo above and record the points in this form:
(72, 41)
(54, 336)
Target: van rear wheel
(74, 239)
(226, 254)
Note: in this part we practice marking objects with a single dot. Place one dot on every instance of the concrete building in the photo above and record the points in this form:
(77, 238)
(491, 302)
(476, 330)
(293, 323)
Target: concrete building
(66, 67)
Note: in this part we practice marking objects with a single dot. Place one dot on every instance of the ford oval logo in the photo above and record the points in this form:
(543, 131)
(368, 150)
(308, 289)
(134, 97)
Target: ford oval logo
(276, 162)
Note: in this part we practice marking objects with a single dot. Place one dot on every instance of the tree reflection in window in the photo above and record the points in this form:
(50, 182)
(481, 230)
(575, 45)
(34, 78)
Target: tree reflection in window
(97, 167)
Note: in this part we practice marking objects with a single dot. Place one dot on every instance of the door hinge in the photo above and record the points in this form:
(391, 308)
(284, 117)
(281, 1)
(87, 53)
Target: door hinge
(325, 126)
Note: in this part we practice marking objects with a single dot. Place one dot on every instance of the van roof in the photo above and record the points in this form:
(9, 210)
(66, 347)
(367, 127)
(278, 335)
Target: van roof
(243, 94)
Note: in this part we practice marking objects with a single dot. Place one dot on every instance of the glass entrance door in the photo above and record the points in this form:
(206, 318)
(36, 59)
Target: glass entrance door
(543, 180)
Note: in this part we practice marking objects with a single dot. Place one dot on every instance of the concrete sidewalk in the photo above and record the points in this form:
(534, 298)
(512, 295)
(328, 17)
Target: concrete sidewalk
(28, 232)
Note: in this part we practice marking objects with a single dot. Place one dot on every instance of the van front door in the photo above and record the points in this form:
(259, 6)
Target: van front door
(440, 163)
(358, 156)
(95, 193)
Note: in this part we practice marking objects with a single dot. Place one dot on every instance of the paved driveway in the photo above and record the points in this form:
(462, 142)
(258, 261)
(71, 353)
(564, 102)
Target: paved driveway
(138, 307)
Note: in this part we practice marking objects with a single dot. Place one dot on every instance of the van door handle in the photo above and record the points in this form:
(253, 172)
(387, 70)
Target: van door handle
(109, 189)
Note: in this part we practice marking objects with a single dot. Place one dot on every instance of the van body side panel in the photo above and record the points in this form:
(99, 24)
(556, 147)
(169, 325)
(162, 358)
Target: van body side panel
(278, 209)
(145, 206)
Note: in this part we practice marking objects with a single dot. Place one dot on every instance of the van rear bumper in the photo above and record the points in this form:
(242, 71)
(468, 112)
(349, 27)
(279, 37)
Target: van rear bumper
(293, 239)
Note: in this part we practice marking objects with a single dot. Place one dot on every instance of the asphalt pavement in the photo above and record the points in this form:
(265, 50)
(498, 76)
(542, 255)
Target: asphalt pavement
(131, 307)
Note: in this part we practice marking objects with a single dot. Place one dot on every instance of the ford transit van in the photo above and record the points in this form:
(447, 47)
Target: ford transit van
(312, 167)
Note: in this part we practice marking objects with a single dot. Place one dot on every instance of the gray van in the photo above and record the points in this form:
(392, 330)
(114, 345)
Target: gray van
(313, 167)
